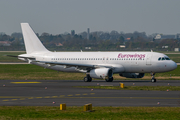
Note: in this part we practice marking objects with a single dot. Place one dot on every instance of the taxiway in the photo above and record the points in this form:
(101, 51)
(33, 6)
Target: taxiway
(45, 92)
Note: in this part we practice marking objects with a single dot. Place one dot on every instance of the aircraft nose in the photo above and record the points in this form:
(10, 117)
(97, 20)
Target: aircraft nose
(173, 65)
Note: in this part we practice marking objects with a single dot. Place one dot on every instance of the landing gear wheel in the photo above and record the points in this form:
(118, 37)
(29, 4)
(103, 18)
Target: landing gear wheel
(87, 79)
(109, 79)
(153, 80)
(90, 79)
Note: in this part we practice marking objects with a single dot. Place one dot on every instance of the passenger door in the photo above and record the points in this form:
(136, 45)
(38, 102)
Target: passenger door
(148, 59)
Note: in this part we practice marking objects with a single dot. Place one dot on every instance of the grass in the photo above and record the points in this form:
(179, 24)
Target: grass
(100, 113)
(33, 72)
(148, 88)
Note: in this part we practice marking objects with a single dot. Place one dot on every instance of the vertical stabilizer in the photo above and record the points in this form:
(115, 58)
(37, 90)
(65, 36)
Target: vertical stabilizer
(32, 42)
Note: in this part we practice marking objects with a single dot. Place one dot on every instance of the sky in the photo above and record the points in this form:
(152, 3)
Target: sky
(60, 16)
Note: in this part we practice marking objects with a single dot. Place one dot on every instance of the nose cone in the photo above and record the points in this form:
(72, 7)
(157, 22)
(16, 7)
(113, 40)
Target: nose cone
(173, 65)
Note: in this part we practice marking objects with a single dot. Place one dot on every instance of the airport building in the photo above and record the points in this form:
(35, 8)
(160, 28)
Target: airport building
(161, 36)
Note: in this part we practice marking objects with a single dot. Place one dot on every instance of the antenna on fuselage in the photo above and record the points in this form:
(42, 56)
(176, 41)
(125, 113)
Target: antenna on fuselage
(151, 50)
(81, 51)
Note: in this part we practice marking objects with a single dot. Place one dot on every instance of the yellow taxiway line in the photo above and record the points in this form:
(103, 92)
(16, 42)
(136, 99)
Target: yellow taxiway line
(24, 82)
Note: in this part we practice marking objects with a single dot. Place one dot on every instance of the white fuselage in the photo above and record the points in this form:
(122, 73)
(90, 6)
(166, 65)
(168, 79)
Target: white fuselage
(121, 62)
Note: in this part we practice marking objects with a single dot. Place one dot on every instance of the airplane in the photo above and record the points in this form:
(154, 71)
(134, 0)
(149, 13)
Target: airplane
(100, 65)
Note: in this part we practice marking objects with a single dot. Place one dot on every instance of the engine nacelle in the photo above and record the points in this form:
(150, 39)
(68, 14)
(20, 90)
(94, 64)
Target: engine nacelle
(101, 73)
(132, 75)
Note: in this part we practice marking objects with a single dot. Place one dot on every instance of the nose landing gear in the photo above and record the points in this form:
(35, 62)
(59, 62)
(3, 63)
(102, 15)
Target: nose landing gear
(153, 79)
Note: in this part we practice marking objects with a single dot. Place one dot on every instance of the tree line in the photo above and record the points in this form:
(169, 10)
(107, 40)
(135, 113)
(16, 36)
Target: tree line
(98, 41)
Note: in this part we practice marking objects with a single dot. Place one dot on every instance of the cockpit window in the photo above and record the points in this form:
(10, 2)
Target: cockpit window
(167, 58)
(163, 58)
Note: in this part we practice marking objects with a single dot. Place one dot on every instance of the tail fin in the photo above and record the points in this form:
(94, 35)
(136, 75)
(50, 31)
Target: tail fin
(32, 42)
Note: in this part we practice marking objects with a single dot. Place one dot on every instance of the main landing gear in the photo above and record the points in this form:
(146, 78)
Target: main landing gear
(87, 78)
(109, 79)
(153, 79)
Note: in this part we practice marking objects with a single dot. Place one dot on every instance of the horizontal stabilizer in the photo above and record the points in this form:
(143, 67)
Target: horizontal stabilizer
(12, 56)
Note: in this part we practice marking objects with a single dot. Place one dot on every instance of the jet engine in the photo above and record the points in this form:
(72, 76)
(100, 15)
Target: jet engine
(101, 73)
(132, 75)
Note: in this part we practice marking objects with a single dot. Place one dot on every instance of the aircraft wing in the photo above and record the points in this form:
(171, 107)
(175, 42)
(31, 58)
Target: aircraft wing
(67, 64)
(78, 66)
